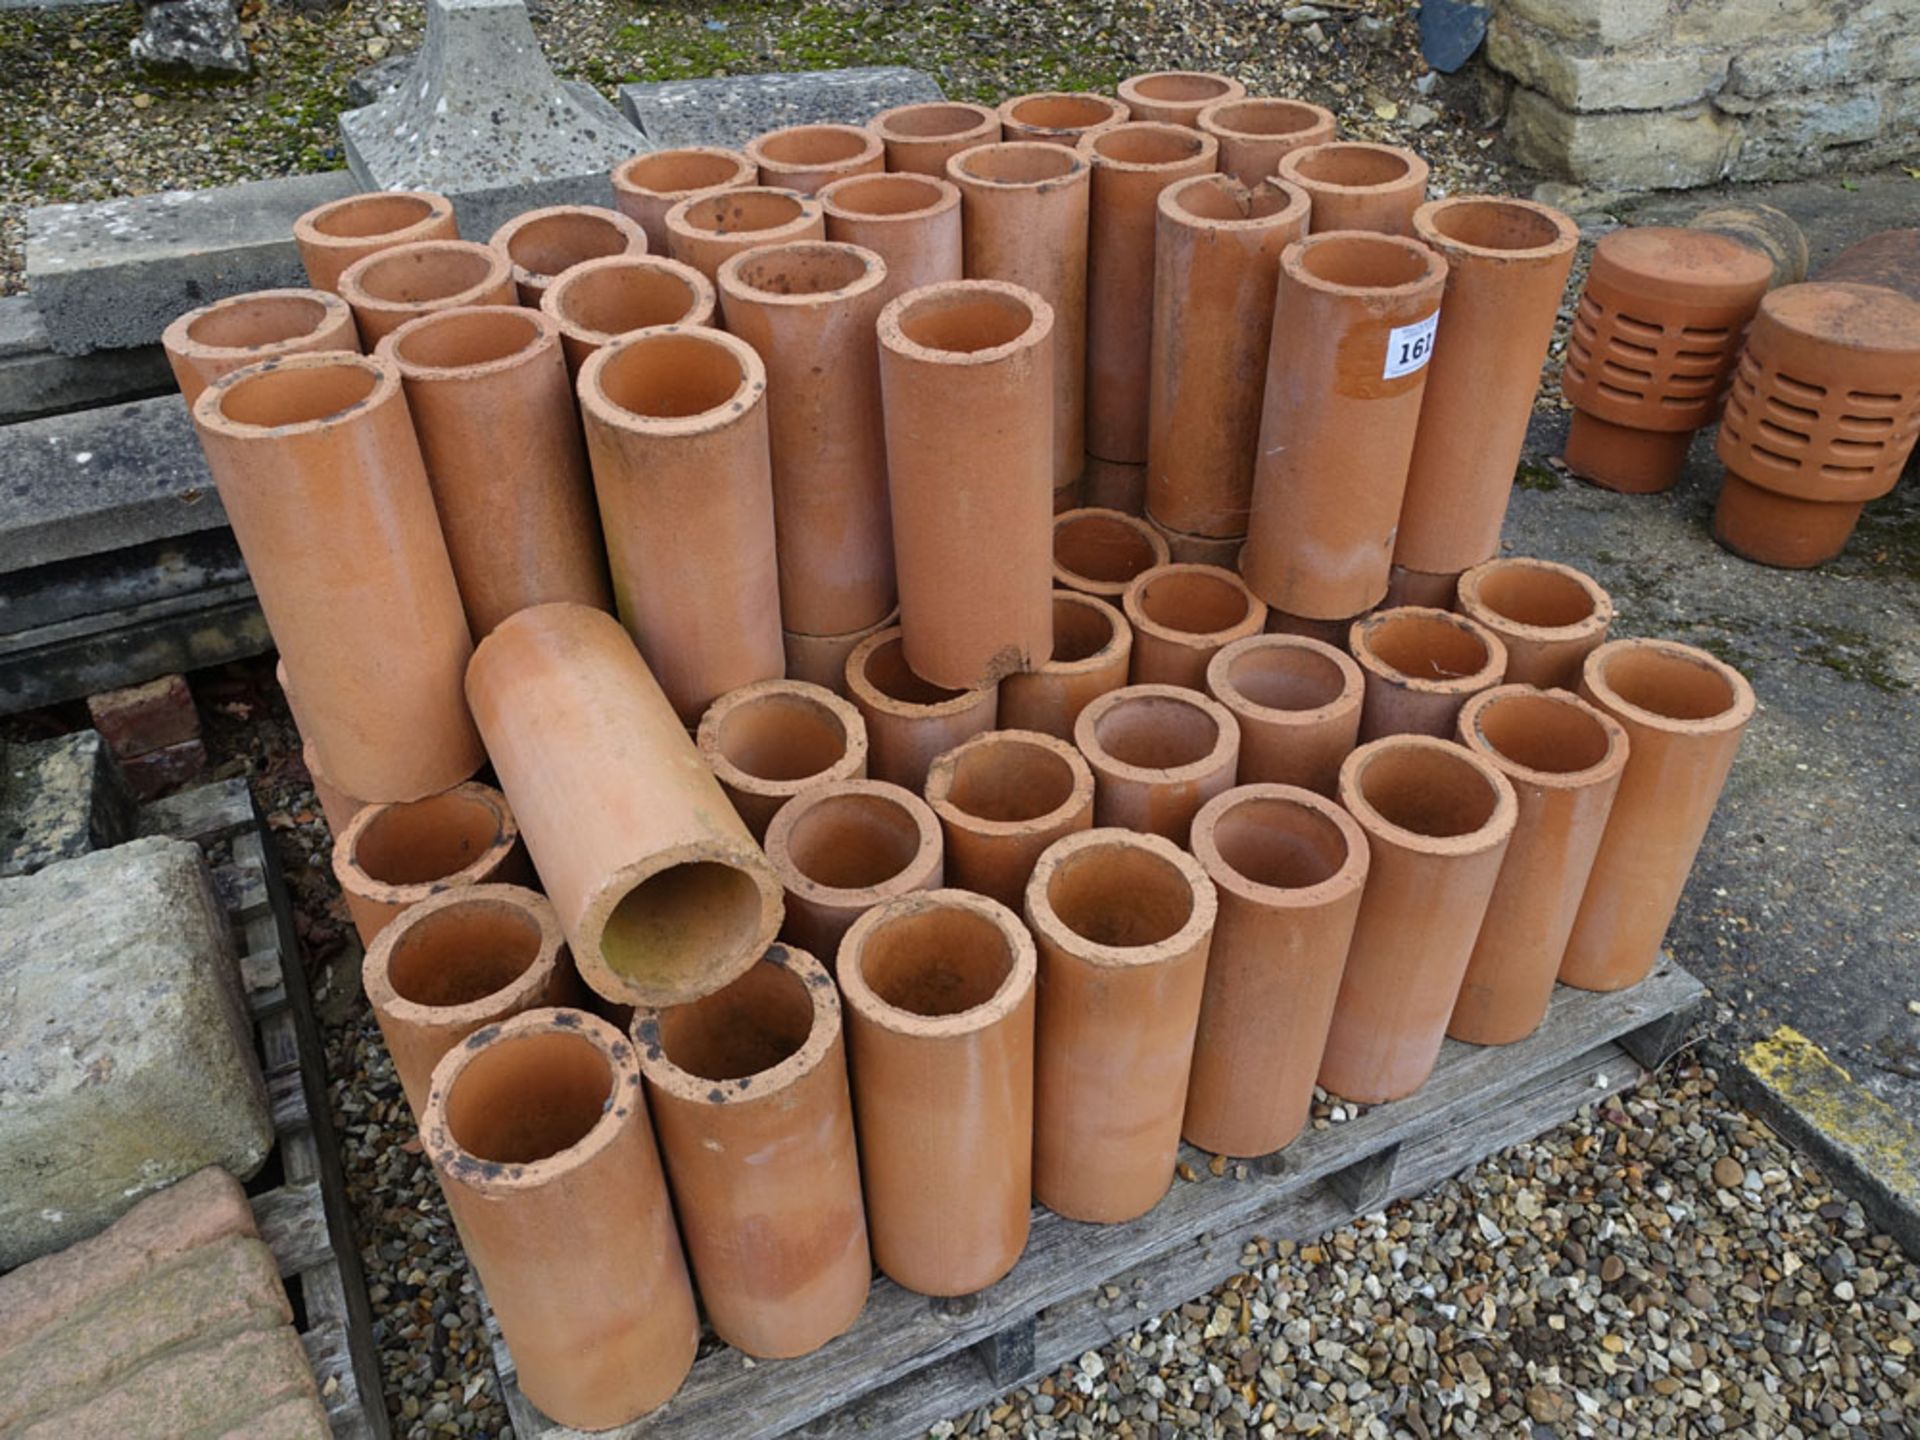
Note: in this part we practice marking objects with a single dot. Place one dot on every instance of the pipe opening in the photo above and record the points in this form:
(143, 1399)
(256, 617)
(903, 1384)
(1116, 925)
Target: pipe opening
(854, 841)
(936, 961)
(1064, 112)
(1426, 647)
(814, 145)
(528, 1096)
(1221, 197)
(739, 212)
(809, 269)
(934, 122)
(1102, 547)
(366, 217)
(782, 737)
(742, 1029)
(1194, 602)
(1280, 843)
(898, 194)
(454, 340)
(1353, 259)
(887, 671)
(1079, 631)
(559, 242)
(964, 321)
(675, 172)
(1351, 166)
(1120, 894)
(669, 377)
(1542, 598)
(248, 321)
(1266, 117)
(1156, 732)
(1180, 89)
(416, 276)
(1669, 685)
(462, 954)
(667, 930)
(1286, 677)
(1155, 145)
(1015, 163)
(619, 298)
(1494, 225)
(295, 397)
(1010, 780)
(417, 842)
(1542, 733)
(1428, 791)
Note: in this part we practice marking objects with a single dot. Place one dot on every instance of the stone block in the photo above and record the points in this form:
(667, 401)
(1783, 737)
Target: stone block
(114, 273)
(159, 771)
(732, 109)
(1839, 59)
(1585, 75)
(60, 799)
(126, 1055)
(1608, 22)
(1742, 22)
(34, 381)
(1628, 150)
(136, 719)
(1792, 135)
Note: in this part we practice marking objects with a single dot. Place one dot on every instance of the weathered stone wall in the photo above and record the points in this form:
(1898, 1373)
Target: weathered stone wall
(1661, 94)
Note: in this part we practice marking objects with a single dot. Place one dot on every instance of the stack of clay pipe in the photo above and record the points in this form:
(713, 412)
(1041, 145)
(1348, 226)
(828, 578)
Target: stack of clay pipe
(874, 685)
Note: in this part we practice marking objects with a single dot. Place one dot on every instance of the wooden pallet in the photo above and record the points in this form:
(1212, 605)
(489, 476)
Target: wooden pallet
(910, 1361)
(301, 1203)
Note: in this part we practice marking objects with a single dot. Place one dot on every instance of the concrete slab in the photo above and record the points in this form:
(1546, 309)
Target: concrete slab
(60, 799)
(34, 381)
(732, 109)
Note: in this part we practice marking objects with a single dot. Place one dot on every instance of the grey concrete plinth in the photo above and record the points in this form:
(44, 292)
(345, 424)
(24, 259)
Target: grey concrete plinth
(483, 120)
(732, 109)
(34, 381)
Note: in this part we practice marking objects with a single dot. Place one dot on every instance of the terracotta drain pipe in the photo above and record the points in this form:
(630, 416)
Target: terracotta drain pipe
(966, 380)
(544, 244)
(703, 230)
(1158, 752)
(921, 138)
(1507, 265)
(1684, 713)
(457, 961)
(1024, 211)
(320, 475)
(1420, 666)
(598, 301)
(676, 423)
(1438, 819)
(909, 721)
(1356, 185)
(1549, 616)
(1327, 632)
(844, 847)
(1564, 759)
(809, 308)
(1060, 117)
(822, 659)
(768, 741)
(1002, 798)
(1216, 260)
(748, 1089)
(1092, 651)
(1288, 867)
(333, 236)
(1184, 615)
(241, 330)
(647, 186)
(1349, 304)
(1297, 701)
(910, 221)
(494, 410)
(393, 286)
(1123, 923)
(1185, 549)
(537, 1130)
(939, 990)
(807, 157)
(1177, 97)
(1102, 552)
(662, 892)
(393, 855)
(336, 806)
(1419, 587)
(1114, 485)
(1255, 134)
(1132, 164)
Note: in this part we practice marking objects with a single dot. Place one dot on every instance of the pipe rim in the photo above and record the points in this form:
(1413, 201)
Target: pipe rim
(1491, 669)
(1220, 755)
(1115, 112)
(1098, 518)
(983, 121)
(498, 273)
(626, 179)
(432, 209)
(1201, 148)
(1224, 688)
(1047, 924)
(1594, 681)
(1010, 996)
(209, 411)
(733, 284)
(1414, 175)
(1473, 735)
(839, 197)
(851, 764)
(332, 313)
(1427, 220)
(624, 227)
(601, 408)
(1133, 601)
(1433, 266)
(1074, 171)
(700, 293)
(866, 148)
(354, 878)
(1118, 648)
(866, 693)
(1350, 876)
(1214, 118)
(543, 339)
(1135, 89)
(912, 876)
(1473, 604)
(943, 771)
(1495, 830)
(376, 968)
(693, 219)
(1172, 204)
(901, 309)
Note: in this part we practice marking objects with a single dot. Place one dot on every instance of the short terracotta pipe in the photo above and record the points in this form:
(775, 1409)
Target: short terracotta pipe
(1132, 164)
(1092, 651)
(1438, 819)
(1421, 666)
(843, 847)
(1256, 134)
(1889, 259)
(807, 157)
(1216, 259)
(537, 1131)
(1102, 552)
(1002, 798)
(748, 1089)
(1655, 334)
(1550, 617)
(939, 990)
(909, 720)
(1421, 587)
(1351, 337)
(1328, 632)
(241, 330)
(910, 221)
(1297, 701)
(333, 236)
(921, 138)
(768, 741)
(661, 889)
(494, 410)
(649, 185)
(822, 659)
(1158, 752)
(1356, 185)
(1123, 923)
(966, 377)
(459, 960)
(1821, 418)
(393, 286)
(1176, 97)
(1507, 264)
(336, 806)
(676, 423)
(809, 308)
(393, 855)
(1184, 615)
(320, 475)
(1564, 759)
(1115, 485)
(703, 230)
(1067, 497)
(598, 301)
(1060, 117)
(1024, 211)
(544, 244)
(1185, 549)
(1684, 713)
(1288, 868)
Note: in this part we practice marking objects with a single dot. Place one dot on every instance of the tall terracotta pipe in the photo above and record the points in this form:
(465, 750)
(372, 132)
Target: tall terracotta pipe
(1357, 185)
(807, 157)
(320, 475)
(649, 185)
(393, 855)
(1549, 617)
(391, 287)
(909, 721)
(1059, 117)
(1158, 752)
(1297, 701)
(598, 301)
(842, 848)
(544, 244)
(768, 741)
(1003, 798)
(332, 236)
(1184, 615)
(910, 221)
(1176, 97)
(1421, 665)
(1092, 650)
(704, 229)
(920, 138)
(1255, 134)
(241, 330)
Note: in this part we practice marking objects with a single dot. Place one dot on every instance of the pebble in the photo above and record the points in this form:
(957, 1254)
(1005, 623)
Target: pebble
(1728, 1172)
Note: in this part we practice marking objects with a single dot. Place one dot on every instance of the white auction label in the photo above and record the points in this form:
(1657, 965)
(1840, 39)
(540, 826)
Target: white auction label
(1410, 346)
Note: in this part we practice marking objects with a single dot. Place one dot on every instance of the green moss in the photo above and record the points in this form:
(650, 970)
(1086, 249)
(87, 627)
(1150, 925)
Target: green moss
(1852, 655)
(1534, 476)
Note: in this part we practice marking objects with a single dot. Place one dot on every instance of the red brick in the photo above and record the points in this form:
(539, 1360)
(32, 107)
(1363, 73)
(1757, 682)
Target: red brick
(159, 770)
(143, 718)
